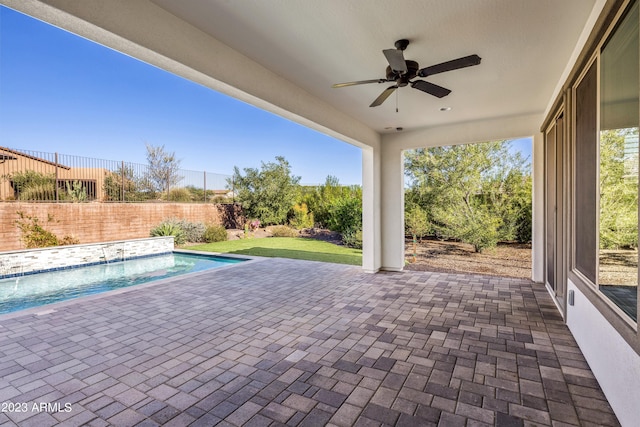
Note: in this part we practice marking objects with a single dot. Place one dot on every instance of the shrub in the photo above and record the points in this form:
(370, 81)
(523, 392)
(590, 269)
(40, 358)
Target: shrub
(266, 194)
(188, 231)
(32, 185)
(193, 231)
(481, 231)
(283, 231)
(34, 235)
(221, 199)
(301, 217)
(215, 233)
(352, 239)
(69, 240)
(320, 199)
(346, 215)
(45, 191)
(180, 195)
(169, 229)
(523, 224)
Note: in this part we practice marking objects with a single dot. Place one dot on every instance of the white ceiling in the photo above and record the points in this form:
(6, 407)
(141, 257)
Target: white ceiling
(525, 46)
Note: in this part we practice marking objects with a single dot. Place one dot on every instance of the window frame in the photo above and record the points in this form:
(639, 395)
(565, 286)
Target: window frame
(622, 323)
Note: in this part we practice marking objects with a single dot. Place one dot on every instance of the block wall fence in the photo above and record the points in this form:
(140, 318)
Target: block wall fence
(104, 222)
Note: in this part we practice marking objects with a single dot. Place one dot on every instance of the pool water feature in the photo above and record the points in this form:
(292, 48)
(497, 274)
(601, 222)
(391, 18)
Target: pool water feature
(33, 290)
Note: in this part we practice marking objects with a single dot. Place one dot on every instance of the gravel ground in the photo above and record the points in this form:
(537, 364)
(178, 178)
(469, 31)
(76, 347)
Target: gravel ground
(507, 259)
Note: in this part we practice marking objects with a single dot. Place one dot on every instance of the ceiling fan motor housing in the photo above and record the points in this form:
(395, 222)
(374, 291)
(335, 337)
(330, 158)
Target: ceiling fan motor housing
(401, 44)
(403, 79)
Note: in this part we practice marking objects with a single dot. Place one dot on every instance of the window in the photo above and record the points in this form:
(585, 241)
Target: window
(617, 276)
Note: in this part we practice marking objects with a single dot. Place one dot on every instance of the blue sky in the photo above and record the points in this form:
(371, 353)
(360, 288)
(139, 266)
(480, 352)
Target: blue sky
(59, 92)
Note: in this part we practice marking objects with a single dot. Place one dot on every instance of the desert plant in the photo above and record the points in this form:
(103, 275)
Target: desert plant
(69, 240)
(215, 233)
(189, 231)
(193, 231)
(34, 235)
(32, 185)
(180, 195)
(283, 231)
(301, 217)
(76, 192)
(44, 191)
(169, 229)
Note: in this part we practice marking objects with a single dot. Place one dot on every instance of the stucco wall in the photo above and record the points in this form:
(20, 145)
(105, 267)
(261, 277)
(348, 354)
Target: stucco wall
(103, 222)
(613, 362)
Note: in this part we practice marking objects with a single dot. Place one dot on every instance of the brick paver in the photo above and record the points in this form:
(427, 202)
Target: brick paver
(302, 343)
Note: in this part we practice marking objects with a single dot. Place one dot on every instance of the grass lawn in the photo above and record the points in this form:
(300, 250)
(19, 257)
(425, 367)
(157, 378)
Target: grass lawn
(286, 247)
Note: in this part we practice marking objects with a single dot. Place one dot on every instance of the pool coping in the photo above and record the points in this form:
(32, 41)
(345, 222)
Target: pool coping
(52, 307)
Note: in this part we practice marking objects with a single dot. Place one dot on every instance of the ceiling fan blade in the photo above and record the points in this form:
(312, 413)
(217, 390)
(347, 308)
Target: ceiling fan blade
(454, 64)
(430, 88)
(383, 96)
(396, 61)
(361, 82)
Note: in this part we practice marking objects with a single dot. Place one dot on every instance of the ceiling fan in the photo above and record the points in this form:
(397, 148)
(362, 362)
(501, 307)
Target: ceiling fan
(402, 71)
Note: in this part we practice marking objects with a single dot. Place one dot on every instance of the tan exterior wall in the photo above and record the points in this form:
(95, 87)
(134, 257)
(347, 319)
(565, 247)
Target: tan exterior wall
(22, 163)
(101, 222)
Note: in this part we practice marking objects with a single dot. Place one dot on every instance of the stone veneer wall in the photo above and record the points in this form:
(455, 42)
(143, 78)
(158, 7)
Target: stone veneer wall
(16, 263)
(104, 222)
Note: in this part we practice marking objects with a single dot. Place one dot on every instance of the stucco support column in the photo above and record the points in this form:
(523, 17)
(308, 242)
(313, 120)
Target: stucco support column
(371, 242)
(392, 207)
(537, 209)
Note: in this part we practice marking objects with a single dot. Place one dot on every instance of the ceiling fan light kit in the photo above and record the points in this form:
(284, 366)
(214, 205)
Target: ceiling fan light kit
(402, 71)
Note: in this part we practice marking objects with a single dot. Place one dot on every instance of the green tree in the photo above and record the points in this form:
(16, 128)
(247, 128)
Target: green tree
(163, 170)
(346, 215)
(266, 194)
(618, 191)
(417, 224)
(469, 191)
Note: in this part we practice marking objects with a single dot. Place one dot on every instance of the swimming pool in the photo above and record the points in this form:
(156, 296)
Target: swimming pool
(33, 290)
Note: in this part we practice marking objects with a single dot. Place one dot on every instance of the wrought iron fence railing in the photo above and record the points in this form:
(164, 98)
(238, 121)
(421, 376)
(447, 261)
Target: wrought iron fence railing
(51, 177)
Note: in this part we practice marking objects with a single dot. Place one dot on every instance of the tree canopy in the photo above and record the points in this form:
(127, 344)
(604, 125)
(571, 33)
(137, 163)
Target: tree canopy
(618, 191)
(163, 169)
(266, 194)
(476, 193)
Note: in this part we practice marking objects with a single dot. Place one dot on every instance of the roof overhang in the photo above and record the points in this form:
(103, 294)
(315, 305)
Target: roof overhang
(283, 56)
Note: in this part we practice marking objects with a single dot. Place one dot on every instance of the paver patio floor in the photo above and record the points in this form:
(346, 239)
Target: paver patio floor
(301, 343)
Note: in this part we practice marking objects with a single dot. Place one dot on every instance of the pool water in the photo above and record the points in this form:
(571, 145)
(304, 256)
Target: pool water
(19, 293)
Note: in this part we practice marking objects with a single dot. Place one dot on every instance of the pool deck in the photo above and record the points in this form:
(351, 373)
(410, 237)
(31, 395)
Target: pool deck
(285, 342)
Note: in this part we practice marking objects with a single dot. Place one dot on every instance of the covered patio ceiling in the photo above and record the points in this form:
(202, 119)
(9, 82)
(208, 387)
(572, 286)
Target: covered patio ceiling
(524, 45)
(284, 56)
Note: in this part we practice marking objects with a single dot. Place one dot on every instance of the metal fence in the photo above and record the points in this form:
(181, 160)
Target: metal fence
(38, 176)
